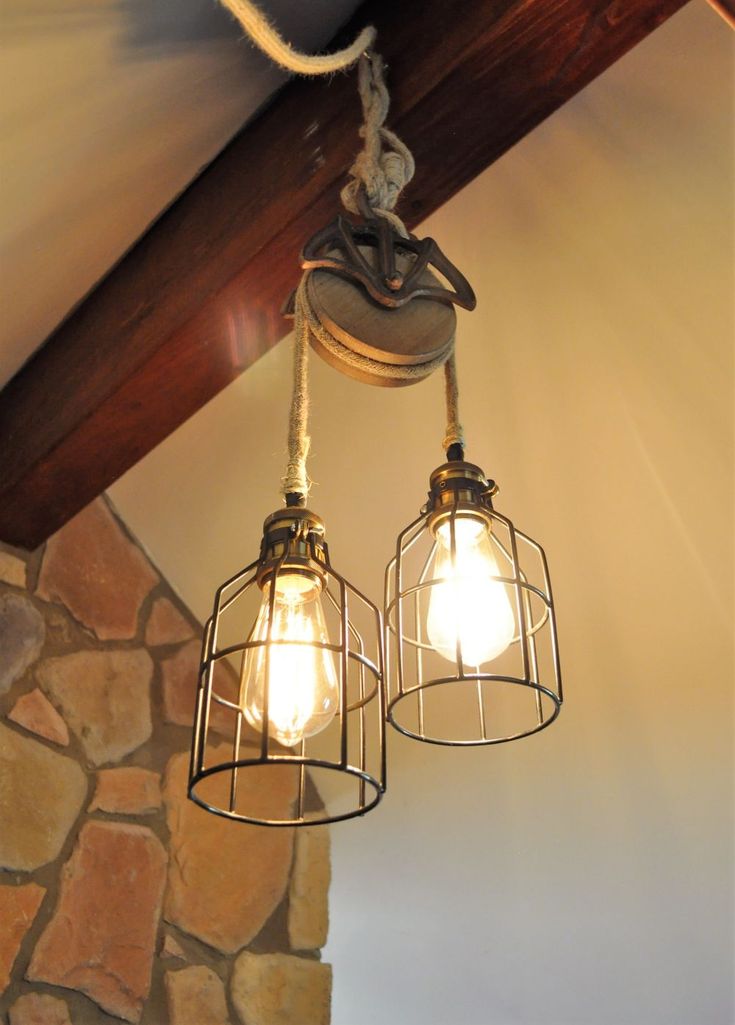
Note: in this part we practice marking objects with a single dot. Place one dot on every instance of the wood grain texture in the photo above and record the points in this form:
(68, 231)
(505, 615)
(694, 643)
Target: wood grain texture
(198, 299)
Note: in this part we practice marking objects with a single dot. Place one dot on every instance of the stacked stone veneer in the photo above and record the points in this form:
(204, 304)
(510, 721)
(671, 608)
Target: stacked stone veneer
(119, 899)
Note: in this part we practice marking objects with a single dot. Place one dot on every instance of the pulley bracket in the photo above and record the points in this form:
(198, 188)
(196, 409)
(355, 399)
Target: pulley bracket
(378, 295)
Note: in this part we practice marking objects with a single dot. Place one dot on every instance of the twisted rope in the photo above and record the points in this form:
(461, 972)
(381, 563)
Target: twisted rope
(295, 483)
(454, 434)
(265, 36)
(379, 174)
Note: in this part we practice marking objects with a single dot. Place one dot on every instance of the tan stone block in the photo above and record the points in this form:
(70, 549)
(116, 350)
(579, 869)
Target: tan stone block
(180, 681)
(41, 795)
(22, 634)
(34, 712)
(104, 697)
(93, 568)
(12, 570)
(280, 989)
(127, 791)
(166, 625)
(308, 895)
(226, 879)
(18, 907)
(102, 936)
(196, 996)
(39, 1009)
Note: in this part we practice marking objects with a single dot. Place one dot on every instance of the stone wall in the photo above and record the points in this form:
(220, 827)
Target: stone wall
(119, 899)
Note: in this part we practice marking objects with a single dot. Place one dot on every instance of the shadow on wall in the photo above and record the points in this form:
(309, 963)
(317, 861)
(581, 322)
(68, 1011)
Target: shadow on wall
(119, 898)
(159, 25)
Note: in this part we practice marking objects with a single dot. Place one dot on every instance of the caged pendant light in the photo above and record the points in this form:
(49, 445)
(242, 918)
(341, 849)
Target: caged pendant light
(308, 647)
(310, 686)
(467, 653)
(471, 644)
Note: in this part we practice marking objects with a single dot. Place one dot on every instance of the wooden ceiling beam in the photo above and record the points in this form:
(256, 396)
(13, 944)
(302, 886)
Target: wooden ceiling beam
(198, 299)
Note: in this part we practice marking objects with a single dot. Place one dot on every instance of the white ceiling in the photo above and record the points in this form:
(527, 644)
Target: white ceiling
(581, 877)
(107, 111)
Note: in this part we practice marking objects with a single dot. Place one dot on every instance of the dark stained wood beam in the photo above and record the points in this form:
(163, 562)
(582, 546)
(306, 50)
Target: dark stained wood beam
(197, 300)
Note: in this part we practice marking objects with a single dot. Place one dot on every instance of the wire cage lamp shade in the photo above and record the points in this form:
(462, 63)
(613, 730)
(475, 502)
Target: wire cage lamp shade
(471, 643)
(308, 703)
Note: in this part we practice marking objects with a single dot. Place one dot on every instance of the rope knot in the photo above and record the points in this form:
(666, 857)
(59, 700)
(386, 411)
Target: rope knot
(380, 173)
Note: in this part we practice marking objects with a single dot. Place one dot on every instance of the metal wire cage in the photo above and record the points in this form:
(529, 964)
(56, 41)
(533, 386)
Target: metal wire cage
(328, 765)
(471, 642)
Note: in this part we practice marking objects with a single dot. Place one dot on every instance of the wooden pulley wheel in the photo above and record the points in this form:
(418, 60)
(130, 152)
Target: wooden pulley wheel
(416, 334)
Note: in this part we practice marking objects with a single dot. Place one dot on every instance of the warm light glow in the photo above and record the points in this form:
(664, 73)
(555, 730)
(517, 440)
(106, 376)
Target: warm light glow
(468, 603)
(303, 695)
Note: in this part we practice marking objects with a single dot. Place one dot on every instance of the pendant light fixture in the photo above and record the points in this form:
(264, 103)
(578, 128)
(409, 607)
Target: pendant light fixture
(308, 647)
(468, 653)
(309, 651)
(471, 645)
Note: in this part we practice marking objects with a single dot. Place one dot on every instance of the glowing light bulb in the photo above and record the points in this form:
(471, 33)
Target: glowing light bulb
(468, 604)
(303, 692)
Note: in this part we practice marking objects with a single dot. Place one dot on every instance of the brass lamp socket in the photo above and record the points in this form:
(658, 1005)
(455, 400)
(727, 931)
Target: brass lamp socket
(459, 488)
(293, 542)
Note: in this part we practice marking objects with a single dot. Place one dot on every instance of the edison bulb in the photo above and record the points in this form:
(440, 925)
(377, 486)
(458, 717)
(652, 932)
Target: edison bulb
(303, 690)
(468, 604)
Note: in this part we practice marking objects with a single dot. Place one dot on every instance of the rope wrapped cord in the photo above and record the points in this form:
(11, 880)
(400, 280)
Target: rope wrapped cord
(454, 434)
(295, 484)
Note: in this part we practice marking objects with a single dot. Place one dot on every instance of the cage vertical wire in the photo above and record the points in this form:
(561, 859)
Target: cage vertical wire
(448, 700)
(350, 750)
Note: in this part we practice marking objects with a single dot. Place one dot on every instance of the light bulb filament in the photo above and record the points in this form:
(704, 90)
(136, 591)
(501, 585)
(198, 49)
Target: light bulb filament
(469, 609)
(290, 669)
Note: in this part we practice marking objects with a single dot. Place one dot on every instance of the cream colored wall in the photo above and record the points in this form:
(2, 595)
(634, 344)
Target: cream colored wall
(581, 877)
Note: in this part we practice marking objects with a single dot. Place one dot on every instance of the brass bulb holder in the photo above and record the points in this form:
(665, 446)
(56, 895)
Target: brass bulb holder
(459, 488)
(293, 542)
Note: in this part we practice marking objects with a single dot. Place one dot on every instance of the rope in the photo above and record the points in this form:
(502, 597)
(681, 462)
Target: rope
(265, 36)
(454, 434)
(380, 175)
(295, 484)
